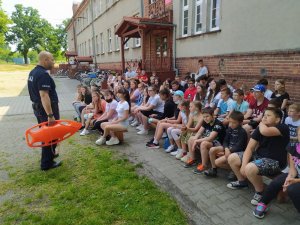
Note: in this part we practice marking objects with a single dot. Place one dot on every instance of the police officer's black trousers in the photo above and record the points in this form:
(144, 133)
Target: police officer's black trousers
(48, 152)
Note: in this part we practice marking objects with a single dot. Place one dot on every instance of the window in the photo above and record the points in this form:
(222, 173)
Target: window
(101, 43)
(109, 40)
(95, 9)
(98, 7)
(185, 17)
(97, 44)
(198, 16)
(137, 42)
(117, 45)
(165, 46)
(85, 52)
(90, 50)
(151, 1)
(87, 16)
(215, 15)
(126, 45)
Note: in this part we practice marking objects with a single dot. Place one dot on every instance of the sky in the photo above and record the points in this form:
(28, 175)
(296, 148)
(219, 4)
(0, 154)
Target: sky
(55, 11)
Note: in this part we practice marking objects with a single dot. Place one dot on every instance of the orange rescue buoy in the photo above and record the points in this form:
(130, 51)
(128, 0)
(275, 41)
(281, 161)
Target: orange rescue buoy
(43, 135)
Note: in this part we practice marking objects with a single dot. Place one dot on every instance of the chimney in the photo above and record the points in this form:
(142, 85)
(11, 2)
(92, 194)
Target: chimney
(75, 7)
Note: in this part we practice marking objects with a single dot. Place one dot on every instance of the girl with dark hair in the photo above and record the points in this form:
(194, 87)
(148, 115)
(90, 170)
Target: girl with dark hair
(120, 123)
(213, 95)
(110, 111)
(134, 92)
(200, 95)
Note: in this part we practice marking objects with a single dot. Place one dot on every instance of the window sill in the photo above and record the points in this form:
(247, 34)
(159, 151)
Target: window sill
(117, 50)
(102, 53)
(136, 47)
(126, 48)
(109, 52)
(200, 34)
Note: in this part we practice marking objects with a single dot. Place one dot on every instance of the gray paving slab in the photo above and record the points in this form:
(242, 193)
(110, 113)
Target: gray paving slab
(206, 201)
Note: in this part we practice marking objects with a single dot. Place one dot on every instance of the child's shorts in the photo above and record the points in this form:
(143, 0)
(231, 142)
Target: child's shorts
(266, 166)
(88, 116)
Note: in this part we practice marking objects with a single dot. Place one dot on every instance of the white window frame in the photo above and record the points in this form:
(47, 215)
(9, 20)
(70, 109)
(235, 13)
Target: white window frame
(217, 27)
(185, 8)
(117, 41)
(97, 44)
(137, 42)
(101, 43)
(126, 46)
(198, 3)
(109, 40)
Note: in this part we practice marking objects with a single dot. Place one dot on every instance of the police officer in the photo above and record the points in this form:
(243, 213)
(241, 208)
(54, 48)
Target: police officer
(44, 99)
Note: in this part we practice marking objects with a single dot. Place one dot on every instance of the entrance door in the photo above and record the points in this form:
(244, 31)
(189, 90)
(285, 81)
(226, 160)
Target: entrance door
(162, 58)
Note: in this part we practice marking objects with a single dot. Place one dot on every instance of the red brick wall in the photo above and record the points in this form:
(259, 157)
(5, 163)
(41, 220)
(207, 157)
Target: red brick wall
(247, 67)
(115, 66)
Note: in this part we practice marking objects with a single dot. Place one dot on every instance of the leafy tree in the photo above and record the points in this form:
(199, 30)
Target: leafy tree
(28, 31)
(62, 34)
(4, 21)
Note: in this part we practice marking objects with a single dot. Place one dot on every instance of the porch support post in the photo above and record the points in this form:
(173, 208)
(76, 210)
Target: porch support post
(122, 55)
(143, 45)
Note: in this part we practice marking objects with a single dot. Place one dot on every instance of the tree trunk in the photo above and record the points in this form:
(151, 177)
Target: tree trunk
(25, 53)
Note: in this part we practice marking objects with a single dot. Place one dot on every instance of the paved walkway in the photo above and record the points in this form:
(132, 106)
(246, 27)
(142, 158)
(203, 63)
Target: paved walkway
(206, 201)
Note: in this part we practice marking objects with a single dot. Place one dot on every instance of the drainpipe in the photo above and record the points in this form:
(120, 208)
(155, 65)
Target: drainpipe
(142, 8)
(93, 33)
(174, 49)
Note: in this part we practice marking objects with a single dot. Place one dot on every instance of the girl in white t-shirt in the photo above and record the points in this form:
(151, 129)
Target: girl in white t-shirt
(120, 123)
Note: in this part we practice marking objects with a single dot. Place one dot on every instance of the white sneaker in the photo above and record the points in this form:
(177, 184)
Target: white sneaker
(140, 127)
(84, 132)
(143, 131)
(170, 148)
(100, 141)
(179, 155)
(185, 158)
(135, 123)
(113, 141)
(131, 119)
(174, 153)
(164, 135)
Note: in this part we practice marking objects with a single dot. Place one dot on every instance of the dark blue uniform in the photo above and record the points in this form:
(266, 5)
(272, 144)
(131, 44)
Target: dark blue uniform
(39, 79)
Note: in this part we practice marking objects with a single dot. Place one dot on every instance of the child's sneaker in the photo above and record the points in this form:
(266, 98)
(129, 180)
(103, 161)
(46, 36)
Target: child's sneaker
(113, 141)
(237, 185)
(84, 132)
(143, 131)
(256, 199)
(180, 154)
(100, 141)
(200, 169)
(231, 176)
(170, 148)
(135, 123)
(190, 163)
(174, 153)
(152, 145)
(260, 210)
(212, 172)
(164, 135)
(185, 158)
(140, 127)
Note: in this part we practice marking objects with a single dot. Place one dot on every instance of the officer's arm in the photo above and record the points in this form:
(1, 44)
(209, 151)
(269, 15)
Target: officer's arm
(46, 101)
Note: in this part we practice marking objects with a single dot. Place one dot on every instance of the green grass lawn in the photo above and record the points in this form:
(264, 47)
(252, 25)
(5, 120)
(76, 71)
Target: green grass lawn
(14, 67)
(94, 186)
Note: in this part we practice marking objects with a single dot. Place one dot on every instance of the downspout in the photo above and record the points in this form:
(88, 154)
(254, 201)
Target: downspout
(142, 8)
(174, 49)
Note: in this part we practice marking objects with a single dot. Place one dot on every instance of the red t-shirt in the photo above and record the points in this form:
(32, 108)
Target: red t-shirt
(258, 109)
(250, 98)
(190, 93)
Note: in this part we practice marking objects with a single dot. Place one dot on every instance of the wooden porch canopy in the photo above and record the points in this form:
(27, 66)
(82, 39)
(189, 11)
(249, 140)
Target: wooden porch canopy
(138, 27)
(80, 59)
(70, 54)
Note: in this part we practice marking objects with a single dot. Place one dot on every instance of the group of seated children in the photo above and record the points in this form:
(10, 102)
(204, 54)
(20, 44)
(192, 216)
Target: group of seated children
(209, 125)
